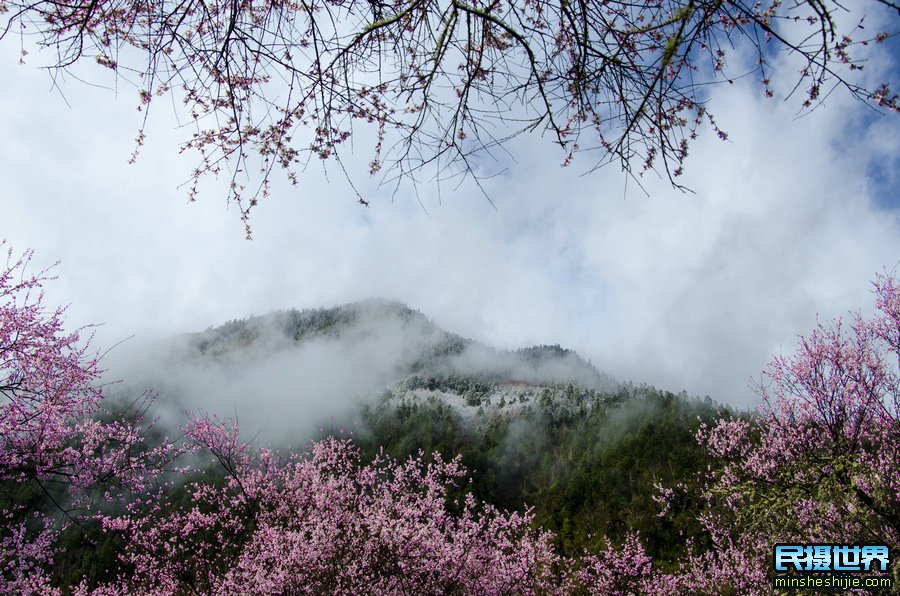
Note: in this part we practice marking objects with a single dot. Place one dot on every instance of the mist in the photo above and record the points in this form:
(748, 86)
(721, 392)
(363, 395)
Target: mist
(789, 218)
(290, 375)
(279, 390)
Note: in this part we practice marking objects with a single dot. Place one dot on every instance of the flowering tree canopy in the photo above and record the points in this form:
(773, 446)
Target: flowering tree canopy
(54, 450)
(276, 82)
(828, 436)
(821, 463)
(324, 523)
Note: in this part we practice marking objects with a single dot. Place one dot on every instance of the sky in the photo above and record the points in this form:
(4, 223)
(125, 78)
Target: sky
(790, 219)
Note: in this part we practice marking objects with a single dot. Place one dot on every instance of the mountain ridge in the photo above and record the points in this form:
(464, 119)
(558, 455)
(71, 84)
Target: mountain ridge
(286, 373)
(440, 352)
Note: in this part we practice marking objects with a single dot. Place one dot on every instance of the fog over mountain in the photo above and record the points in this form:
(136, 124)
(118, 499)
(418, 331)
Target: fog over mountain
(286, 374)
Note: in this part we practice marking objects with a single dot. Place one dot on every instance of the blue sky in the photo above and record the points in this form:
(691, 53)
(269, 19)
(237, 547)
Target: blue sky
(791, 217)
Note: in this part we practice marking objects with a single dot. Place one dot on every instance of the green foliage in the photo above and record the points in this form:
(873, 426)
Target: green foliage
(588, 462)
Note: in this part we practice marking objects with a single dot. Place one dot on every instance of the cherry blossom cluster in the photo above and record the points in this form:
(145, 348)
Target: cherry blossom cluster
(54, 442)
(324, 523)
(820, 462)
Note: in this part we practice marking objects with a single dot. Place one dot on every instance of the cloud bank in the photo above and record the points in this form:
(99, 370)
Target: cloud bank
(789, 218)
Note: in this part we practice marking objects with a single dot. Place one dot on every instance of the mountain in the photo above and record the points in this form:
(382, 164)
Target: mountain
(539, 426)
(286, 373)
(352, 322)
(400, 352)
(436, 351)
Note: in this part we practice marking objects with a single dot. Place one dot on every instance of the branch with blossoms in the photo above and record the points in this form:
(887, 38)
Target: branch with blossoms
(443, 84)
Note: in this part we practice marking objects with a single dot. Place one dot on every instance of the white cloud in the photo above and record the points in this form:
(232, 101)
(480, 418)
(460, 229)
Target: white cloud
(691, 291)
